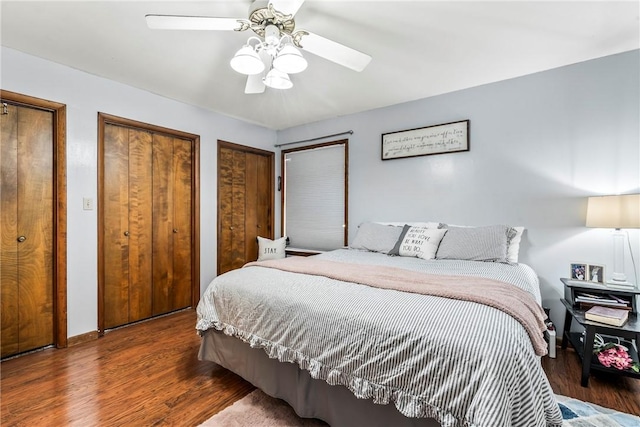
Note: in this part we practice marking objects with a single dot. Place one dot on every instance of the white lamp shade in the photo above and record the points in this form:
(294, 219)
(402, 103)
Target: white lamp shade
(276, 79)
(290, 60)
(246, 61)
(614, 211)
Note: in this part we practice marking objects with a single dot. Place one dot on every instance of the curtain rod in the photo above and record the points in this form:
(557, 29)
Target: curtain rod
(350, 132)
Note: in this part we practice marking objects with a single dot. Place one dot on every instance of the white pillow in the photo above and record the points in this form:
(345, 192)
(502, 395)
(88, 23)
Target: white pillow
(421, 242)
(514, 245)
(271, 249)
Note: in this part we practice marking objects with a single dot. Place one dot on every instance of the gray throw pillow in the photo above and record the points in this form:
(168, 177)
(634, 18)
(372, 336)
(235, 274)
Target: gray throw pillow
(396, 248)
(488, 243)
(376, 237)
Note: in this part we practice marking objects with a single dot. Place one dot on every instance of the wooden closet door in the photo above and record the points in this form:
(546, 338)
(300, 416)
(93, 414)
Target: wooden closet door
(171, 224)
(182, 256)
(238, 189)
(26, 160)
(140, 224)
(264, 198)
(257, 203)
(231, 208)
(149, 221)
(116, 226)
(245, 201)
(162, 223)
(225, 209)
(127, 205)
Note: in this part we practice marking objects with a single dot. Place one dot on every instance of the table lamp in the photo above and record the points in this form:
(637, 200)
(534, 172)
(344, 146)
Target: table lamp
(616, 212)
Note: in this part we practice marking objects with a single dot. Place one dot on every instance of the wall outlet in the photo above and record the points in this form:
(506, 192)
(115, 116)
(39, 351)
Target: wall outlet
(87, 203)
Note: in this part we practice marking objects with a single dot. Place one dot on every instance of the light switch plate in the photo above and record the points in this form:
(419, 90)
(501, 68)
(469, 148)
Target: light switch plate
(87, 203)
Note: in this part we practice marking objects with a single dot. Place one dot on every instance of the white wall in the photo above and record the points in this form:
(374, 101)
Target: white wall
(85, 95)
(540, 145)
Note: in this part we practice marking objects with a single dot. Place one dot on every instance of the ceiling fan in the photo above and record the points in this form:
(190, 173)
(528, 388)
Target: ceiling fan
(272, 54)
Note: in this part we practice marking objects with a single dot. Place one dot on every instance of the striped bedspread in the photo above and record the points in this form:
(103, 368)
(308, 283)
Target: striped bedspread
(460, 362)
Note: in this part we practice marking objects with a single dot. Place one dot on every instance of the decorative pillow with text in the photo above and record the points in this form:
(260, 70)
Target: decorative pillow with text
(421, 242)
(271, 249)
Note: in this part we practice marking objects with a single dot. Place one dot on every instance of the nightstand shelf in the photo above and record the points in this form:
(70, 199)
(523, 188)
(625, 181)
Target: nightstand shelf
(630, 331)
(572, 287)
(576, 343)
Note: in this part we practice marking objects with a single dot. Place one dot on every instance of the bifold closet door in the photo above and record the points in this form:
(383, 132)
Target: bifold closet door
(127, 225)
(245, 202)
(171, 224)
(258, 211)
(26, 221)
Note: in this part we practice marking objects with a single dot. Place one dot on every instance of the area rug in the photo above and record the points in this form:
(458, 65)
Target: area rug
(259, 410)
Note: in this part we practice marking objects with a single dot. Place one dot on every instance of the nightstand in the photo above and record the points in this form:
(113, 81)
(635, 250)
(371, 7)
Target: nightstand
(583, 343)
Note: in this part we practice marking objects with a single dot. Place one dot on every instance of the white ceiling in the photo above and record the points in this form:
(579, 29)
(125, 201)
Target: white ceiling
(419, 48)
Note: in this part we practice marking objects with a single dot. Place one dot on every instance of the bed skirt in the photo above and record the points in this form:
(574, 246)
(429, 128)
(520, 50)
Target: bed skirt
(309, 397)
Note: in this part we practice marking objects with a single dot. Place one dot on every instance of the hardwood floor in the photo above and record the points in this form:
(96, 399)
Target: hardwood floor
(148, 374)
(145, 374)
(611, 391)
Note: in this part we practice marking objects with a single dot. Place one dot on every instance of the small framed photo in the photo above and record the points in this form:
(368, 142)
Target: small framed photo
(596, 273)
(578, 271)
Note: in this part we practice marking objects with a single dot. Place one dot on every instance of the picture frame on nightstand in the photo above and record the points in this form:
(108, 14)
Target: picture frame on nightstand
(596, 273)
(578, 271)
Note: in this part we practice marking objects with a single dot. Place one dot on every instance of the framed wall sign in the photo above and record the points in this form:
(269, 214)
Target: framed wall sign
(438, 139)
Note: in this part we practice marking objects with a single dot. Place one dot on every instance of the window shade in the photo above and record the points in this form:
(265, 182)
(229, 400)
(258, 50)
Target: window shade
(314, 200)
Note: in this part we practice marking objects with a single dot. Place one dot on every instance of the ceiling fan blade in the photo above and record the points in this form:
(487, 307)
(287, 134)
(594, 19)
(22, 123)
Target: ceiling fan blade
(176, 22)
(335, 52)
(254, 84)
(288, 7)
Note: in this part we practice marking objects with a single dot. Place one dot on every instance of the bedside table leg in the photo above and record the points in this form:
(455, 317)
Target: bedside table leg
(567, 328)
(587, 354)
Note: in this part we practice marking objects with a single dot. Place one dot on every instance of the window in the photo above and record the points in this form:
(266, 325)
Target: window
(314, 195)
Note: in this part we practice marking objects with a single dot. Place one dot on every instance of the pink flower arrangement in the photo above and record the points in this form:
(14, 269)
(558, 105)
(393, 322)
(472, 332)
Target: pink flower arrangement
(614, 355)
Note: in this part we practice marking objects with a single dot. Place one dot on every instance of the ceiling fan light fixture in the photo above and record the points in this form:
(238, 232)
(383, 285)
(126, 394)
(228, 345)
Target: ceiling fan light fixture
(246, 61)
(290, 60)
(277, 79)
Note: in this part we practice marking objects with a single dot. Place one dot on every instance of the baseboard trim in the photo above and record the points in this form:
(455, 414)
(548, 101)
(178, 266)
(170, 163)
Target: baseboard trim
(79, 339)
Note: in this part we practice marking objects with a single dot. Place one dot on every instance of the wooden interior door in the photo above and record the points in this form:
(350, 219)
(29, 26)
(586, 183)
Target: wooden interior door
(171, 224)
(245, 203)
(259, 198)
(27, 202)
(149, 223)
(140, 210)
(127, 226)
(182, 230)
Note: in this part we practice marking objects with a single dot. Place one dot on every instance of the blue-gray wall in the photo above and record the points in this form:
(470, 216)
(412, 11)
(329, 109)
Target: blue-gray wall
(540, 145)
(85, 95)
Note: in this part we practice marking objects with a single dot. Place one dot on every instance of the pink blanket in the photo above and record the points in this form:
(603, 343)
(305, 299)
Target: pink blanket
(506, 297)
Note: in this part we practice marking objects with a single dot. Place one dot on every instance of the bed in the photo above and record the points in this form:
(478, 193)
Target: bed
(350, 353)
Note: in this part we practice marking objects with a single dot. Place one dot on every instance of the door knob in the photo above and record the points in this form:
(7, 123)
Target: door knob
(230, 228)
(258, 226)
(126, 233)
(175, 230)
(21, 239)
